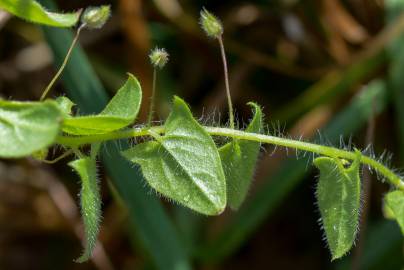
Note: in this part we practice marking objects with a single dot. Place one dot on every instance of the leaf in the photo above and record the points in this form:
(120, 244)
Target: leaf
(238, 159)
(278, 186)
(32, 11)
(395, 202)
(26, 127)
(155, 231)
(90, 203)
(184, 165)
(119, 113)
(338, 198)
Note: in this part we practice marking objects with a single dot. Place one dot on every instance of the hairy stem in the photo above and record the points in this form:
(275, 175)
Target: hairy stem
(152, 98)
(226, 81)
(237, 134)
(62, 67)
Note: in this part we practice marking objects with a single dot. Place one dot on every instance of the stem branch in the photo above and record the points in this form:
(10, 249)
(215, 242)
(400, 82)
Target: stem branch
(62, 67)
(242, 135)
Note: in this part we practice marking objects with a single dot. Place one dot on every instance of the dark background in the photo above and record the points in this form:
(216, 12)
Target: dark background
(312, 65)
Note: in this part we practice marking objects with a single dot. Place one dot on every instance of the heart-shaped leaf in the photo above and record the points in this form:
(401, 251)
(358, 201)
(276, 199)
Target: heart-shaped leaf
(338, 198)
(90, 202)
(394, 200)
(121, 111)
(32, 11)
(184, 164)
(238, 159)
(27, 127)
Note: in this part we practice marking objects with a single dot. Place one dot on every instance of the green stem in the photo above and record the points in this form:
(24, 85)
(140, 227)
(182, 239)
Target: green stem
(65, 154)
(62, 67)
(237, 134)
(226, 81)
(152, 99)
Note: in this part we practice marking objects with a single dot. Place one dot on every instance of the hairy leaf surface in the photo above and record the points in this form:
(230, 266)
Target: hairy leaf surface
(338, 198)
(26, 127)
(119, 113)
(90, 202)
(395, 202)
(32, 11)
(184, 164)
(238, 159)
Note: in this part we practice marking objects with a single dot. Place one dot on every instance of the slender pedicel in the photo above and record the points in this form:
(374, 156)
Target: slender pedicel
(158, 58)
(214, 29)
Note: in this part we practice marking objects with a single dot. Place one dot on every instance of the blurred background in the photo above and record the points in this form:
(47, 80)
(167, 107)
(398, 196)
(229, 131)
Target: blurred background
(329, 71)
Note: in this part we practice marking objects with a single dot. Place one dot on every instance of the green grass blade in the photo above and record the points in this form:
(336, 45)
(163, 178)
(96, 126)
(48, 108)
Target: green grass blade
(288, 177)
(395, 52)
(331, 86)
(150, 221)
(32, 11)
(382, 248)
(152, 225)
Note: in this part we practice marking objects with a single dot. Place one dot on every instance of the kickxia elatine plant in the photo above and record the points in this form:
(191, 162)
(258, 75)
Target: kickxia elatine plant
(179, 159)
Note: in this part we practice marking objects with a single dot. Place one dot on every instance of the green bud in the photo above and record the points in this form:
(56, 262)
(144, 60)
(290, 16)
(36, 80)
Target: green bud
(210, 24)
(40, 154)
(158, 57)
(95, 17)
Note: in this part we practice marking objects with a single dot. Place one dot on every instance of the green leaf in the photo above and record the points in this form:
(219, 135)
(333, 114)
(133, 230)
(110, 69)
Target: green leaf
(278, 186)
(90, 203)
(26, 127)
(238, 159)
(184, 165)
(119, 113)
(32, 11)
(395, 202)
(338, 198)
(155, 231)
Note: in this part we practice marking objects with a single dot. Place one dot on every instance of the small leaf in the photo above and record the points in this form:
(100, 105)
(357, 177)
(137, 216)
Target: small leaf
(184, 165)
(394, 200)
(119, 113)
(90, 203)
(32, 11)
(238, 159)
(338, 198)
(27, 127)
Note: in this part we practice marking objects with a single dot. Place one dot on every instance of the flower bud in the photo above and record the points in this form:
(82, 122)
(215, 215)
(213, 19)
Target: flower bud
(40, 154)
(95, 17)
(210, 24)
(158, 57)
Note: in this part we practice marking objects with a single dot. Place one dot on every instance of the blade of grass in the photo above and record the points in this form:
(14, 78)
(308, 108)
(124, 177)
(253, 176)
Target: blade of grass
(332, 85)
(149, 220)
(386, 254)
(396, 71)
(338, 82)
(288, 177)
